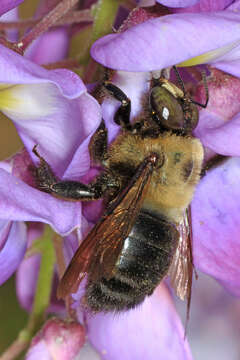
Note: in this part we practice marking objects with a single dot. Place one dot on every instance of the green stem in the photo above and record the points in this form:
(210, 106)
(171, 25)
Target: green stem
(44, 284)
(104, 16)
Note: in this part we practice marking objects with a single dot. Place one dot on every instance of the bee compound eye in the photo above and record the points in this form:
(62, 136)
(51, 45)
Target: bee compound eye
(166, 108)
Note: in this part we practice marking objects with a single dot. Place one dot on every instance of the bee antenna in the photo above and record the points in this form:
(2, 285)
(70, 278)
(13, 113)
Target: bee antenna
(179, 79)
(204, 78)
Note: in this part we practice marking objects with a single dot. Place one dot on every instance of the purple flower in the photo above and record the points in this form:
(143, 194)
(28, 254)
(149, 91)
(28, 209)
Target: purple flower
(7, 5)
(215, 214)
(13, 247)
(176, 38)
(221, 120)
(48, 108)
(152, 330)
(57, 39)
(28, 269)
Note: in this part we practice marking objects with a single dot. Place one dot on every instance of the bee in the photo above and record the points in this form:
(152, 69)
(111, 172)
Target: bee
(150, 172)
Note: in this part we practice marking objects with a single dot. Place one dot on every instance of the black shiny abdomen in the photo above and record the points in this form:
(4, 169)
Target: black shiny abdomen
(143, 262)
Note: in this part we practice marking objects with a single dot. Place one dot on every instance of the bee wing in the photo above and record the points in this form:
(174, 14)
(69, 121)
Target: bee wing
(99, 251)
(181, 269)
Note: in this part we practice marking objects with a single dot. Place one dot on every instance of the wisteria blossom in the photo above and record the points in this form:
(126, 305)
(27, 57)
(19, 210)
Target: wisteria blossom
(53, 110)
(33, 98)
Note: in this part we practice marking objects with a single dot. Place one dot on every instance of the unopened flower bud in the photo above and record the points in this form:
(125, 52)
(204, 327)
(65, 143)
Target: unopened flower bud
(57, 339)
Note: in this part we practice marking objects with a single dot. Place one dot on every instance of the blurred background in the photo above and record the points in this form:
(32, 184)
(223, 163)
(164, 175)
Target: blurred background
(214, 326)
(213, 331)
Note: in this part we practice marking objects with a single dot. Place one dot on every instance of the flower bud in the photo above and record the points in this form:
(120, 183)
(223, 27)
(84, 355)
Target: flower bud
(57, 339)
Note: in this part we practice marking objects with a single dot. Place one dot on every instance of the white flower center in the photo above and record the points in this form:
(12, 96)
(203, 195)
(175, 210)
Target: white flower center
(28, 101)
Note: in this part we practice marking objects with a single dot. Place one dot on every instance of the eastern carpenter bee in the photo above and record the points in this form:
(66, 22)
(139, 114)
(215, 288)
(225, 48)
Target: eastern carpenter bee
(149, 175)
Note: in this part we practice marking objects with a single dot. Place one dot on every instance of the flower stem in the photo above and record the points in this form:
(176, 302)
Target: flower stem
(72, 17)
(65, 63)
(16, 348)
(42, 297)
(104, 16)
(43, 25)
(44, 284)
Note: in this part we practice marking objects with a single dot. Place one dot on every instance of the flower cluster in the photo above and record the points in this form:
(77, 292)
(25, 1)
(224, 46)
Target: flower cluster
(51, 107)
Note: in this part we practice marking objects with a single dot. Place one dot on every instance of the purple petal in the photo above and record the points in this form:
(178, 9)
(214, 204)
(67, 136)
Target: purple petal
(6, 165)
(15, 69)
(87, 353)
(207, 5)
(63, 144)
(12, 15)
(89, 112)
(151, 331)
(216, 135)
(27, 273)
(51, 105)
(7, 5)
(57, 40)
(216, 223)
(221, 120)
(5, 227)
(178, 3)
(235, 5)
(13, 251)
(26, 280)
(21, 202)
(135, 85)
(171, 39)
(38, 351)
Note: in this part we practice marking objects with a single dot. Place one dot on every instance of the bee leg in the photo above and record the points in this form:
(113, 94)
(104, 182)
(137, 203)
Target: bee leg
(98, 144)
(72, 190)
(213, 163)
(43, 174)
(122, 115)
